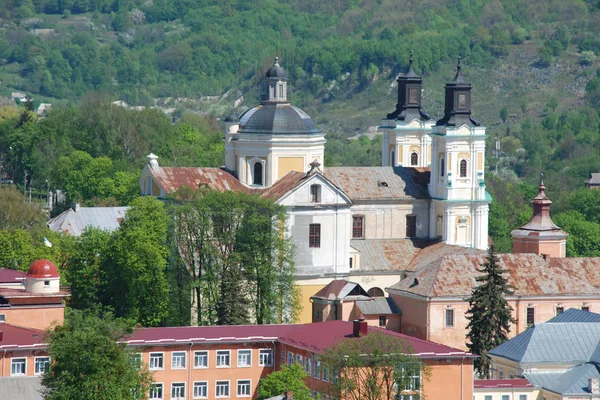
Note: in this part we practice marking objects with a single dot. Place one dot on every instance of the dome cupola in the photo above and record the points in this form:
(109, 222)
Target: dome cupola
(276, 84)
(42, 277)
(409, 96)
(457, 105)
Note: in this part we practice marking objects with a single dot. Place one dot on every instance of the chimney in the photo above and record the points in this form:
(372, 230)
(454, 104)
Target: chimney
(545, 256)
(593, 386)
(75, 207)
(360, 327)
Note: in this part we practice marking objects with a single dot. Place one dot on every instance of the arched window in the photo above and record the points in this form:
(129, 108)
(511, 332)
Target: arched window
(442, 167)
(257, 177)
(375, 292)
(414, 158)
(463, 168)
(393, 158)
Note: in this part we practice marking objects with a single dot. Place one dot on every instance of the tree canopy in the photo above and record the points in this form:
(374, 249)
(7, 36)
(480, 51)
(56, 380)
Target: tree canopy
(290, 378)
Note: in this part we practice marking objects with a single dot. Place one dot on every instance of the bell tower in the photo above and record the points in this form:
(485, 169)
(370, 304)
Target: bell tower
(459, 212)
(406, 140)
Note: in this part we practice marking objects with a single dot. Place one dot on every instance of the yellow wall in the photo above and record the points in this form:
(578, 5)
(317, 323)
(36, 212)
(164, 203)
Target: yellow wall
(306, 292)
(287, 164)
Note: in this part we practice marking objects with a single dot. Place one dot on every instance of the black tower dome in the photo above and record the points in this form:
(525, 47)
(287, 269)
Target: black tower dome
(409, 96)
(457, 107)
(276, 72)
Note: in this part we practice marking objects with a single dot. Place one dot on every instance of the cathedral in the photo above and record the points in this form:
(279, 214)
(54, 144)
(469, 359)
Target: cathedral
(360, 223)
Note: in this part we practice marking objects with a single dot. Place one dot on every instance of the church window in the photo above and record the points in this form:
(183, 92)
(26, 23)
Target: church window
(358, 227)
(411, 225)
(315, 193)
(414, 159)
(463, 168)
(375, 292)
(281, 92)
(442, 167)
(314, 235)
(449, 323)
(257, 177)
(530, 316)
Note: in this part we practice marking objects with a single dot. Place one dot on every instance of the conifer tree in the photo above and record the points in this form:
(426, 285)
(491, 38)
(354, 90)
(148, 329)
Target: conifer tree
(232, 308)
(489, 313)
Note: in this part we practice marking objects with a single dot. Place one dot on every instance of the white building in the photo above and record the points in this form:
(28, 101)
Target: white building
(364, 222)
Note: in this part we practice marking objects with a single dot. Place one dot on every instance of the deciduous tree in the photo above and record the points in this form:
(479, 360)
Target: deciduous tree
(288, 379)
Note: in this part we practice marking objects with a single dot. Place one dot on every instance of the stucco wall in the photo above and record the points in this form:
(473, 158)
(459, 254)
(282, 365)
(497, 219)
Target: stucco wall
(36, 318)
(414, 315)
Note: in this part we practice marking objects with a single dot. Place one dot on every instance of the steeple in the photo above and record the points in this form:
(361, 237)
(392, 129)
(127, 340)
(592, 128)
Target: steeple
(409, 96)
(457, 106)
(276, 84)
(540, 235)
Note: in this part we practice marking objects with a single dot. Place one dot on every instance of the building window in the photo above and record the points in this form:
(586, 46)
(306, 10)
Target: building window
(505, 396)
(243, 388)
(41, 365)
(559, 310)
(463, 168)
(156, 391)
(375, 292)
(487, 397)
(2, 317)
(201, 390)
(358, 227)
(178, 390)
(136, 359)
(585, 308)
(325, 373)
(317, 371)
(522, 397)
(299, 359)
(442, 167)
(314, 235)
(290, 358)
(178, 360)
(280, 92)
(382, 321)
(46, 283)
(282, 356)
(244, 358)
(315, 193)
(449, 317)
(530, 316)
(222, 389)
(223, 359)
(411, 226)
(414, 159)
(201, 359)
(265, 357)
(318, 314)
(257, 176)
(350, 262)
(307, 366)
(156, 361)
(410, 377)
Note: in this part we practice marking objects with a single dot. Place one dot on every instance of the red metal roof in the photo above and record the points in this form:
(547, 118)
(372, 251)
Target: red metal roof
(42, 269)
(18, 337)
(314, 337)
(501, 383)
(11, 276)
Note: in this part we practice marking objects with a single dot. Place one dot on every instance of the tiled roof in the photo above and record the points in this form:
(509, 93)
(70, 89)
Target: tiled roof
(576, 315)
(11, 276)
(380, 183)
(315, 337)
(21, 387)
(530, 275)
(386, 254)
(378, 306)
(172, 178)
(567, 343)
(75, 222)
(501, 383)
(572, 382)
(19, 337)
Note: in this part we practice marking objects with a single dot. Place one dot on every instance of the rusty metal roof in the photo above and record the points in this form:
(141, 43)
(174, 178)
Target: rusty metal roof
(378, 306)
(282, 186)
(387, 254)
(380, 183)
(172, 178)
(530, 275)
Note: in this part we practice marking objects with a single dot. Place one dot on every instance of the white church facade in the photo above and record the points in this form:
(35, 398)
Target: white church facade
(362, 223)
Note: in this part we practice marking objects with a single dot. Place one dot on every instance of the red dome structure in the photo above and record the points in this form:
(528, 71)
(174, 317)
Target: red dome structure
(42, 269)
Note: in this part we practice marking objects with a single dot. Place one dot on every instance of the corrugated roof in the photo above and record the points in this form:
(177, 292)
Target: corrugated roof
(378, 306)
(574, 381)
(567, 343)
(172, 178)
(11, 276)
(387, 254)
(576, 315)
(21, 387)
(380, 183)
(339, 289)
(16, 336)
(530, 275)
(75, 222)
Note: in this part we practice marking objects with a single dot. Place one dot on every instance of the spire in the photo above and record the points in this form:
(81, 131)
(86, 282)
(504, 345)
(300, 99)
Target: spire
(411, 72)
(458, 77)
(541, 221)
(276, 84)
(409, 96)
(457, 107)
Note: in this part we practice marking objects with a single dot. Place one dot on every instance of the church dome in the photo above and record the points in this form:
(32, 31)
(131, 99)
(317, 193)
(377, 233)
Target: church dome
(42, 269)
(276, 71)
(277, 118)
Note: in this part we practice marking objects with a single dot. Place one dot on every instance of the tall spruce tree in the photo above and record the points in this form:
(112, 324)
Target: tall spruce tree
(489, 313)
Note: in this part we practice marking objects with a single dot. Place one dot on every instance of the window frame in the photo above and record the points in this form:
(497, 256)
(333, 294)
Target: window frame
(46, 365)
(196, 357)
(269, 355)
(523, 396)
(559, 310)
(13, 362)
(290, 358)
(412, 382)
(261, 164)
(222, 383)
(180, 385)
(449, 317)
(2, 318)
(308, 366)
(314, 236)
(196, 384)
(414, 163)
(317, 369)
(527, 316)
(300, 359)
(162, 361)
(382, 318)
(178, 354)
(153, 386)
(315, 193)
(585, 308)
(358, 230)
(442, 167)
(463, 168)
(218, 356)
(245, 382)
(243, 354)
(411, 226)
